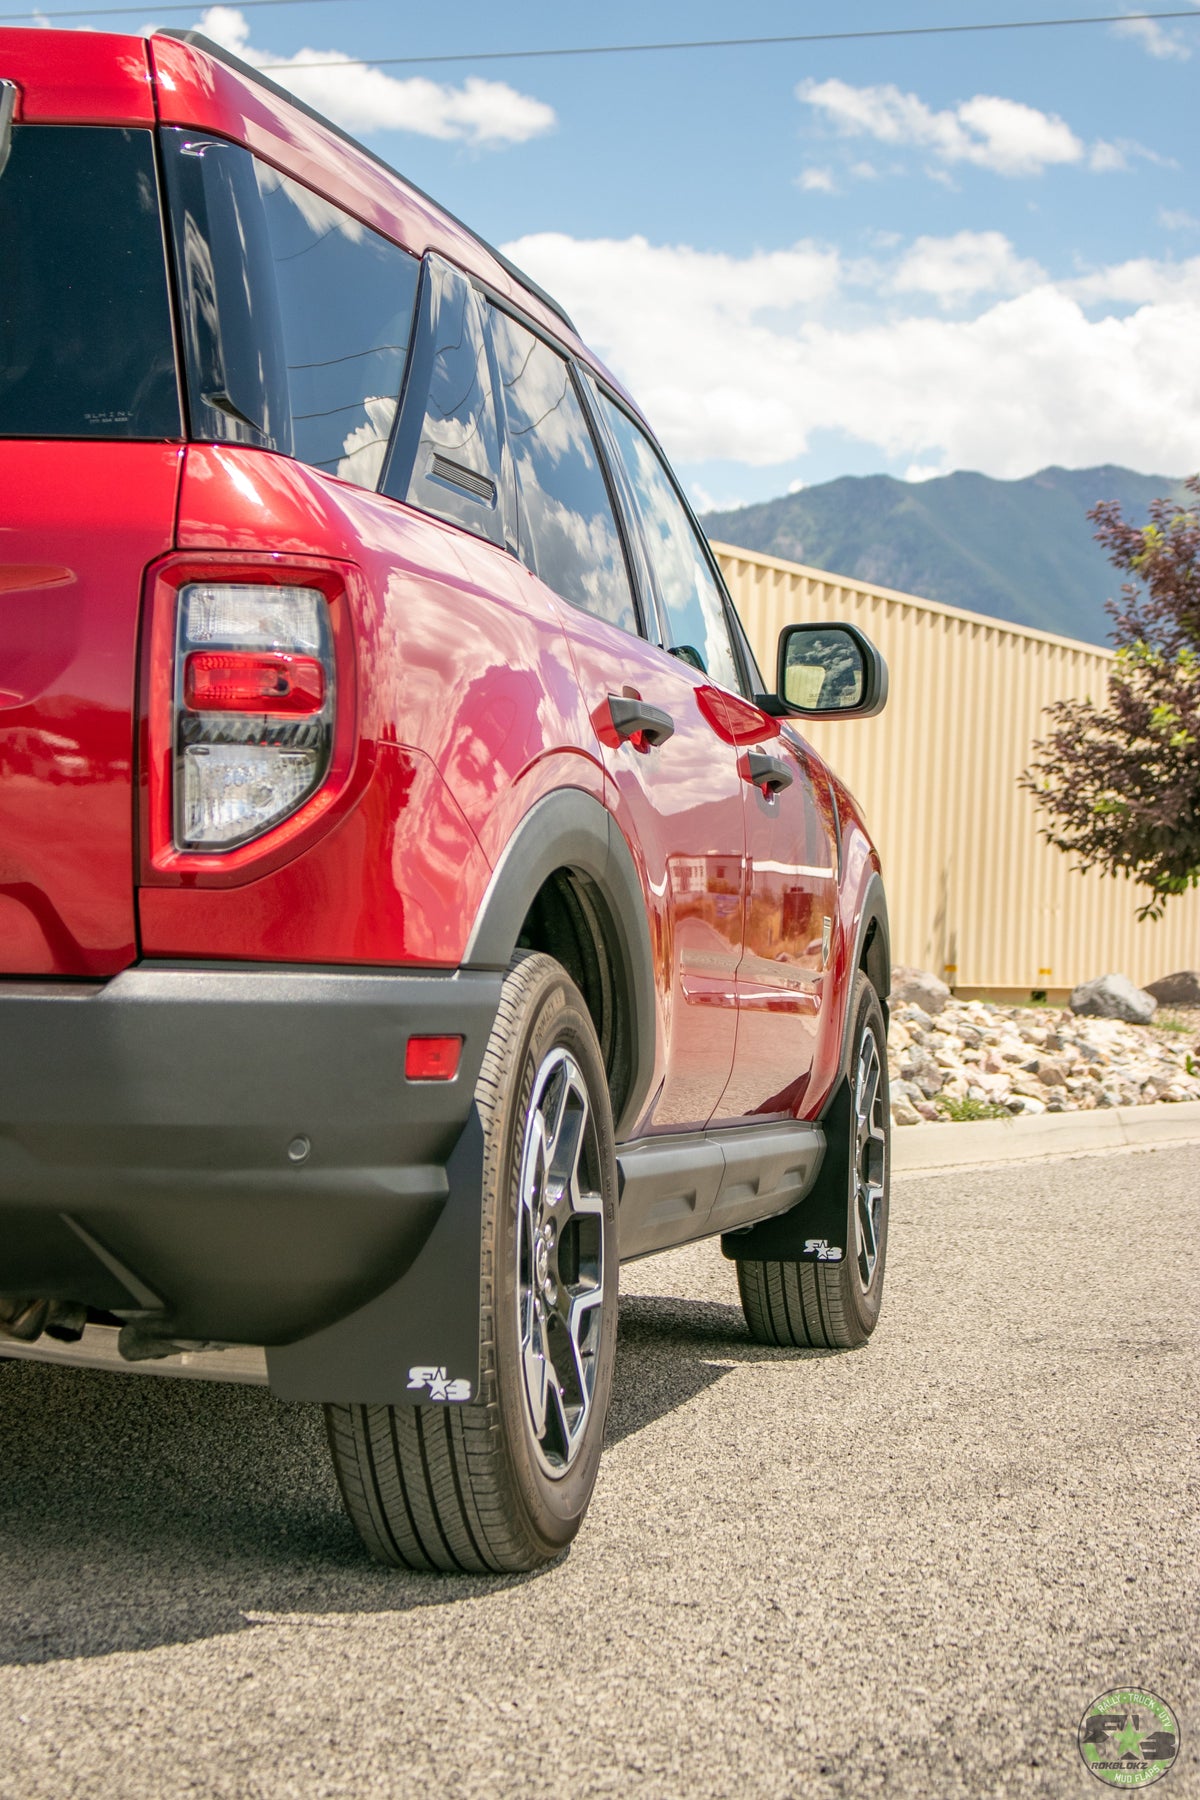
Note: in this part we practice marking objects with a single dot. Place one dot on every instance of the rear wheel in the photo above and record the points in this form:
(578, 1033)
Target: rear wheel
(835, 1305)
(503, 1484)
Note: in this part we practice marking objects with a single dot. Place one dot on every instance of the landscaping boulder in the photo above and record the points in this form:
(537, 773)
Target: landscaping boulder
(1180, 989)
(1114, 997)
(917, 987)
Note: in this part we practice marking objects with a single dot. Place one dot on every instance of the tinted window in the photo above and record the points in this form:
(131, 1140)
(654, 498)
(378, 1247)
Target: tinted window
(346, 298)
(448, 458)
(296, 316)
(697, 629)
(229, 310)
(86, 347)
(568, 530)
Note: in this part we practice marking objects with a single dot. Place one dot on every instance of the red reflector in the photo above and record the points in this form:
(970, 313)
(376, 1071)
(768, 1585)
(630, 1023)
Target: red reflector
(432, 1058)
(253, 681)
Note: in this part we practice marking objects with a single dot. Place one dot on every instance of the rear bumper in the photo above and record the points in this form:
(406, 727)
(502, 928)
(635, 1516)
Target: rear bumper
(152, 1157)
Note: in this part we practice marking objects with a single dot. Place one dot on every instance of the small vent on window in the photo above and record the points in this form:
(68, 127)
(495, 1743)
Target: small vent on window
(465, 480)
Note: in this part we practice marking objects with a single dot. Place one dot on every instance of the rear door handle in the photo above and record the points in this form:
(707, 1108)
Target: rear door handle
(770, 773)
(635, 719)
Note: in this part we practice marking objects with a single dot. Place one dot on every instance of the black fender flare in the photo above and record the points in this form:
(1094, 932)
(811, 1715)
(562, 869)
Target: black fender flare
(873, 913)
(570, 829)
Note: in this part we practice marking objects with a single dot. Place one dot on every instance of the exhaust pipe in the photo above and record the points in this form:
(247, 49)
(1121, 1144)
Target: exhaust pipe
(25, 1320)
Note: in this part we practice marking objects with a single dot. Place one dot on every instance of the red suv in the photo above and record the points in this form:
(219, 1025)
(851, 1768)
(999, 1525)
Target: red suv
(412, 899)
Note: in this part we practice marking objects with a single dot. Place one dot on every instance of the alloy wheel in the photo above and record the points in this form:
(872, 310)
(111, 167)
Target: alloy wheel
(870, 1156)
(560, 1261)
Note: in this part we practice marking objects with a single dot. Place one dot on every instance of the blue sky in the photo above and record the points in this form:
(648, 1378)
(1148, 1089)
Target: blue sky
(806, 261)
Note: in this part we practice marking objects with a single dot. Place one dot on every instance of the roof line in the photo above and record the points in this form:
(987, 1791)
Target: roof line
(198, 41)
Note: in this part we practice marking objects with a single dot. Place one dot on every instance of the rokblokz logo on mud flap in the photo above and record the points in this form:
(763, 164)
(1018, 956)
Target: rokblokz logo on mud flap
(1128, 1737)
(439, 1385)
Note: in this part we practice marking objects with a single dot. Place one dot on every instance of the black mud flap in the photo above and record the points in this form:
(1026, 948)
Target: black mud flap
(815, 1229)
(420, 1339)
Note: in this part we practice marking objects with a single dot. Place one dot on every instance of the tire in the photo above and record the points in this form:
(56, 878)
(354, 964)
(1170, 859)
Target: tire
(835, 1305)
(503, 1484)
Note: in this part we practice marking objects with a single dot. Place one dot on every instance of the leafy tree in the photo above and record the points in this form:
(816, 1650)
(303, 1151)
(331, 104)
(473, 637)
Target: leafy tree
(1121, 784)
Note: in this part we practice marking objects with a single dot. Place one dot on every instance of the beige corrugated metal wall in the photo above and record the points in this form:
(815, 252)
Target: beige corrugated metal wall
(974, 892)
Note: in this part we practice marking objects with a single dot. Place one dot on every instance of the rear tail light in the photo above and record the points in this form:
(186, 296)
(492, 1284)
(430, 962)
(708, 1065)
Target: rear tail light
(254, 709)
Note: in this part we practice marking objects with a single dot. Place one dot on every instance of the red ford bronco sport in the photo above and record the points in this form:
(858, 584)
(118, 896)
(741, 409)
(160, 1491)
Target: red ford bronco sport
(412, 900)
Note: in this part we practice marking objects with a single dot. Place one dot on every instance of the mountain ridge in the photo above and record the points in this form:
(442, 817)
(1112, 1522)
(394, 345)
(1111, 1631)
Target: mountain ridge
(1022, 550)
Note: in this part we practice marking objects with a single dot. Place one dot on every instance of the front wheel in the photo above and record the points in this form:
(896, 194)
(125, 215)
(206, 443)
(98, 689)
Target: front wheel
(835, 1305)
(503, 1484)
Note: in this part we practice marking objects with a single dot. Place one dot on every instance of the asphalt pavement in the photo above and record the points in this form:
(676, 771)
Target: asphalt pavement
(901, 1571)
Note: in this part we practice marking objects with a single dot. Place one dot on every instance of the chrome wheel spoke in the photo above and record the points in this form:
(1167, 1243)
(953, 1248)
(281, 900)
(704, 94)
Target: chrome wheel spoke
(870, 1157)
(537, 1379)
(560, 1261)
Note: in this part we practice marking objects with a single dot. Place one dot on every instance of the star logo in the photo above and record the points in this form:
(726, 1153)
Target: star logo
(1130, 1741)
(441, 1387)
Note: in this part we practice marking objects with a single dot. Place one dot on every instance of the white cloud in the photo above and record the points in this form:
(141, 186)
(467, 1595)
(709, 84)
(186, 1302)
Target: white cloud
(704, 502)
(1105, 156)
(1154, 40)
(1140, 282)
(1027, 379)
(1177, 220)
(481, 113)
(970, 262)
(922, 471)
(988, 131)
(816, 181)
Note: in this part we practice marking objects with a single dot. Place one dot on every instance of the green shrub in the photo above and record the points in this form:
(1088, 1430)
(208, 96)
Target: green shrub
(966, 1110)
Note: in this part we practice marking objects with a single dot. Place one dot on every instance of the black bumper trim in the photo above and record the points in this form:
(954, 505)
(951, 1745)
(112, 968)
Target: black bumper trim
(144, 1131)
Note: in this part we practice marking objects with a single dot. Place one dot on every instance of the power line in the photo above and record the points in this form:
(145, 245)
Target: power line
(738, 43)
(149, 6)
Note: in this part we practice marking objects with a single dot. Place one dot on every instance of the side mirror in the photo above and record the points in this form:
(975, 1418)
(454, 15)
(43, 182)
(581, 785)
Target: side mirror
(830, 672)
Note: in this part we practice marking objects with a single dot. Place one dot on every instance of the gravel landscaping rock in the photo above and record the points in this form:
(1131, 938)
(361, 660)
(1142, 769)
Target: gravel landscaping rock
(918, 987)
(1113, 997)
(1180, 989)
(977, 1059)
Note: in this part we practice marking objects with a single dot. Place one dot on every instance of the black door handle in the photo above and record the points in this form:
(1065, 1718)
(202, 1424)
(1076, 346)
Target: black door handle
(635, 719)
(770, 773)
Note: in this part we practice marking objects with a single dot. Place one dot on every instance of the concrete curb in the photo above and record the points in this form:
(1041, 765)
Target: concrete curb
(916, 1147)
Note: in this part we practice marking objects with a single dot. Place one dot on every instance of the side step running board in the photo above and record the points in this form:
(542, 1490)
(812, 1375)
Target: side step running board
(676, 1189)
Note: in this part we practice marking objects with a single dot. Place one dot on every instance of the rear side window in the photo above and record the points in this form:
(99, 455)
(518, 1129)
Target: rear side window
(346, 298)
(296, 316)
(86, 346)
(568, 530)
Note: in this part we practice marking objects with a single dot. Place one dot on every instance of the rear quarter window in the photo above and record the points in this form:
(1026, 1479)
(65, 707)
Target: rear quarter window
(296, 316)
(86, 345)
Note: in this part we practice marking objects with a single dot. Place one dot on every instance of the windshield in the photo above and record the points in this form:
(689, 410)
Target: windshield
(86, 345)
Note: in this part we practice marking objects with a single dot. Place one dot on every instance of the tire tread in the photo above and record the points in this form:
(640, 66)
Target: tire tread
(804, 1305)
(429, 1487)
